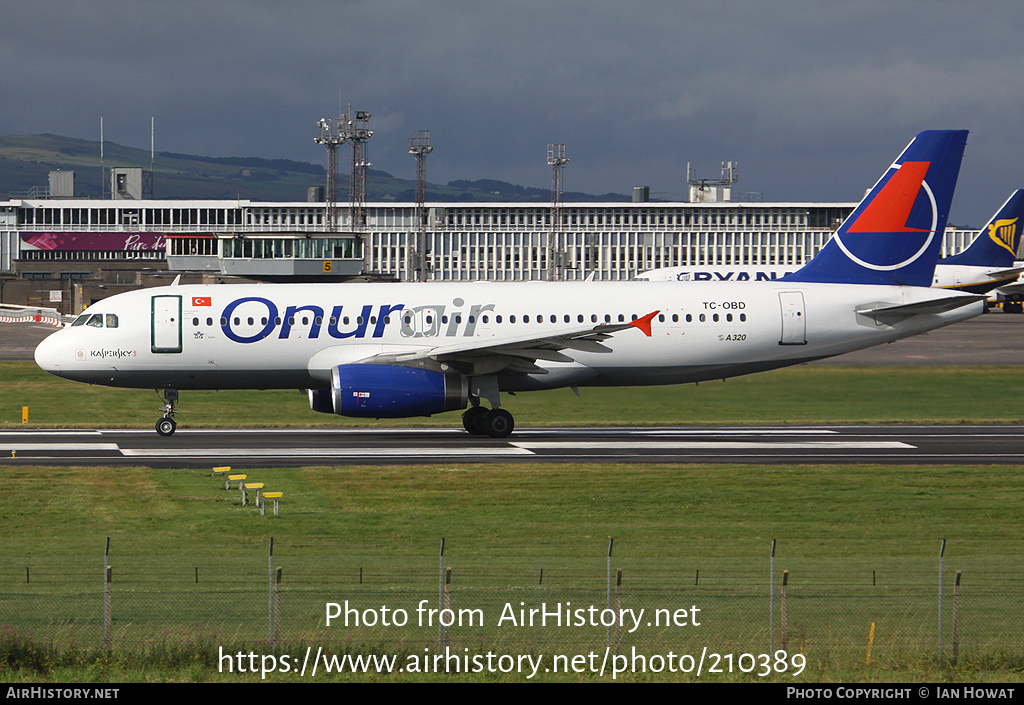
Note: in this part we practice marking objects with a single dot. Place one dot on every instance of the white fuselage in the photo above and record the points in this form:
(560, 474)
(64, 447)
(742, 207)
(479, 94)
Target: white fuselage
(291, 335)
(972, 278)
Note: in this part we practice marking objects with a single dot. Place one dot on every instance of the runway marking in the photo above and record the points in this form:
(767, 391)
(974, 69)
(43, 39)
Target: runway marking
(316, 452)
(51, 433)
(711, 445)
(6, 447)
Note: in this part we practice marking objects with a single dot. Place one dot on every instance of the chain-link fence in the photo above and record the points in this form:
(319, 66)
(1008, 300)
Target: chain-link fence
(829, 599)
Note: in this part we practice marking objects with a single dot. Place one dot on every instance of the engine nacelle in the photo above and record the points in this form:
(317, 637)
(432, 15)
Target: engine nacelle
(390, 391)
(321, 400)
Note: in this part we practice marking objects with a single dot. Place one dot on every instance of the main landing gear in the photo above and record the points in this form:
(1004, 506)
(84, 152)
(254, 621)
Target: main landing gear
(480, 421)
(166, 425)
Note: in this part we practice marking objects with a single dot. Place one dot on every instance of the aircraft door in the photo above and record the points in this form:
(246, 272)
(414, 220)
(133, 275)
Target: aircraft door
(794, 322)
(166, 324)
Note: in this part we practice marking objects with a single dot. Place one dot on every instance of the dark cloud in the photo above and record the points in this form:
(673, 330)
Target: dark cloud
(812, 98)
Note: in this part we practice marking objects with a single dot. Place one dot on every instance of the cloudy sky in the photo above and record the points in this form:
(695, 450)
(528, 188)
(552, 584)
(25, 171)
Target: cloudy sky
(813, 98)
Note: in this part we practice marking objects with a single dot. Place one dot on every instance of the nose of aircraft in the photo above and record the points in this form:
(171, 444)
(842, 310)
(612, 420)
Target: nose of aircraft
(48, 354)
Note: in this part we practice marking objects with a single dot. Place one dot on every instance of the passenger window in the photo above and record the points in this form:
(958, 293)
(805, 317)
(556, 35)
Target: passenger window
(95, 320)
(195, 321)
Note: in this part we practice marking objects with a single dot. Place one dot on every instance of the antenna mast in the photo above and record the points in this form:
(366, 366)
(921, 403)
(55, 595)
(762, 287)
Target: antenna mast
(354, 130)
(419, 147)
(556, 253)
(330, 136)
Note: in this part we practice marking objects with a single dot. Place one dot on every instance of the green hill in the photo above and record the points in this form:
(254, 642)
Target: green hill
(26, 160)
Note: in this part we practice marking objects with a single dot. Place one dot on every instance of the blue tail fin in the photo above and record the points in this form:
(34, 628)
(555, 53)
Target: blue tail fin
(894, 235)
(998, 242)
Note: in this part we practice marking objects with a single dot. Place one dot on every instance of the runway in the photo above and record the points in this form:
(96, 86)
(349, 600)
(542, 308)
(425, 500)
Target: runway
(996, 338)
(262, 448)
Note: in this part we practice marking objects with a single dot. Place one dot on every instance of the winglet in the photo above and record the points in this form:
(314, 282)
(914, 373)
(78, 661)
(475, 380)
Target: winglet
(644, 324)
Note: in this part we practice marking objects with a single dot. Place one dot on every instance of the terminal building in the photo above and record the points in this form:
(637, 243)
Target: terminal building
(68, 253)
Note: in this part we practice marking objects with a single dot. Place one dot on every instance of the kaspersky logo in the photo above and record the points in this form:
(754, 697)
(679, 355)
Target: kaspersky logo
(905, 205)
(1003, 233)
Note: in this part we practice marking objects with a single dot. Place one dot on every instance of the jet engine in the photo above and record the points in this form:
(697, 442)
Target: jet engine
(390, 391)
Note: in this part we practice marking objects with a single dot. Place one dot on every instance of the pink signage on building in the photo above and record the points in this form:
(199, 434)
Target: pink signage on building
(93, 241)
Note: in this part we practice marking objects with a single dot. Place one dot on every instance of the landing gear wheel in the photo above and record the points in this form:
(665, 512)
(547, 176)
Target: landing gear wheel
(473, 420)
(498, 423)
(166, 426)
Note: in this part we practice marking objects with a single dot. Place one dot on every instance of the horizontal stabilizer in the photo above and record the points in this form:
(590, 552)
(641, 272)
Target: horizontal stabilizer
(919, 307)
(1004, 273)
(1010, 289)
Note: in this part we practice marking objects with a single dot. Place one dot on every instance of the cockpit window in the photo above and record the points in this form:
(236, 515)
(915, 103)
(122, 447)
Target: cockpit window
(81, 320)
(111, 320)
(96, 320)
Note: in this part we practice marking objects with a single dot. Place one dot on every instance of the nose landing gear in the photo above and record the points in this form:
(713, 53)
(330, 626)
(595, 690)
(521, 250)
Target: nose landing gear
(166, 425)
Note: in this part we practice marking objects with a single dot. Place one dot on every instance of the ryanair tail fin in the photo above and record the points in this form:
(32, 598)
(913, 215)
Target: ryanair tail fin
(998, 242)
(893, 236)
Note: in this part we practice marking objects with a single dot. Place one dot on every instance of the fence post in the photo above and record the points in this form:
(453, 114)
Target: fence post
(447, 605)
(771, 602)
(618, 609)
(956, 618)
(942, 552)
(608, 630)
(107, 598)
(270, 591)
(277, 608)
(784, 621)
(440, 596)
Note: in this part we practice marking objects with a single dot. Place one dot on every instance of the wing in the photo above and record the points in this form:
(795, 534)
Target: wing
(483, 356)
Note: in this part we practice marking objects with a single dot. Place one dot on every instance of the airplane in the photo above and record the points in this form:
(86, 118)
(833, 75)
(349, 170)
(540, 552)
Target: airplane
(390, 350)
(985, 265)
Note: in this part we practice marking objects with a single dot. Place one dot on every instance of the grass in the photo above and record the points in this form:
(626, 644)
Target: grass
(521, 503)
(800, 395)
(860, 543)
